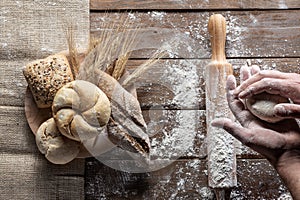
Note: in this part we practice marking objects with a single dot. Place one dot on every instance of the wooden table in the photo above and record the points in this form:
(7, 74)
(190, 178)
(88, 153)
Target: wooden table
(266, 33)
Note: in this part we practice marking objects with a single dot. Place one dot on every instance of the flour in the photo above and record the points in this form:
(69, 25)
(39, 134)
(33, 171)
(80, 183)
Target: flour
(182, 78)
(131, 16)
(155, 15)
(235, 35)
(282, 4)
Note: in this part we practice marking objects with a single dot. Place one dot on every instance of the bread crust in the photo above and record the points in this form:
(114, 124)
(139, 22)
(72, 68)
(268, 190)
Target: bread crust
(46, 76)
(57, 148)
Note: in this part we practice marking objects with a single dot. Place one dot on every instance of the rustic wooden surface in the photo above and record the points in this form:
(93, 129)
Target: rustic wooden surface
(31, 30)
(260, 32)
(265, 33)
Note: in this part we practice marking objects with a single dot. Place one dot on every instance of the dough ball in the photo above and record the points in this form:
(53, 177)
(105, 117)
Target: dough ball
(262, 106)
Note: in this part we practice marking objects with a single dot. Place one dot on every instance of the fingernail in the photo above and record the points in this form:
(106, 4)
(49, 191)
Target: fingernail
(243, 94)
(281, 111)
(216, 123)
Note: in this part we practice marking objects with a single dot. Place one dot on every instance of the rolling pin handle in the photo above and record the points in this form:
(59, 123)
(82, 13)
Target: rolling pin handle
(217, 31)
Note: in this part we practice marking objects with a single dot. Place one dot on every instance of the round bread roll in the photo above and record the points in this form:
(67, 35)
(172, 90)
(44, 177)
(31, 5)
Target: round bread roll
(57, 148)
(81, 110)
(262, 106)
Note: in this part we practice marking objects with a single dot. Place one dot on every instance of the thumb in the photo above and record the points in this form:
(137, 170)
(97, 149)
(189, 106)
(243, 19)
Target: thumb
(231, 127)
(287, 110)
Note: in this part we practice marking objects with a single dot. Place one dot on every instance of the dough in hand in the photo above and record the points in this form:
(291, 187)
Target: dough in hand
(262, 106)
(57, 148)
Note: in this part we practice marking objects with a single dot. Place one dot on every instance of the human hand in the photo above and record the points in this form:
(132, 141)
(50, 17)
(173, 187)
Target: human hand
(278, 142)
(273, 82)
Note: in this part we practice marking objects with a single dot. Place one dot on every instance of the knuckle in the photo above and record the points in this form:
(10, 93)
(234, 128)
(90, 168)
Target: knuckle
(262, 73)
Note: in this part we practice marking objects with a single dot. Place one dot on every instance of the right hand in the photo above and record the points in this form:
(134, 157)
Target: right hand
(274, 82)
(278, 142)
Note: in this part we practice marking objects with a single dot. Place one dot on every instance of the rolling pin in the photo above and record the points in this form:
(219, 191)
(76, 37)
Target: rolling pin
(220, 144)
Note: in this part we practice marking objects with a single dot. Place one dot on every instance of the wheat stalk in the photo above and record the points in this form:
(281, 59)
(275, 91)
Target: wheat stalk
(73, 52)
(133, 77)
(110, 52)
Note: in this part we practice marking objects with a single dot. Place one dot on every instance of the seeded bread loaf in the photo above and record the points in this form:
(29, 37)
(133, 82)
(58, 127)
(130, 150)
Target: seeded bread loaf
(46, 76)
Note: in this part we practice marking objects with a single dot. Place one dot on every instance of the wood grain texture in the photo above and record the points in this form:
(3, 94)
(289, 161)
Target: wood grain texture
(250, 34)
(158, 86)
(191, 4)
(183, 179)
(166, 128)
(259, 32)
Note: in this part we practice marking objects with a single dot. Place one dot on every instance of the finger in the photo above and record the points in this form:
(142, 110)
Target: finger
(234, 103)
(271, 86)
(232, 128)
(244, 73)
(287, 110)
(259, 76)
(254, 69)
(230, 83)
(236, 106)
(258, 139)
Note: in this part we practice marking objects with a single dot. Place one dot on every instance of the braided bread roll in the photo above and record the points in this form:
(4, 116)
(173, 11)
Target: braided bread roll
(81, 110)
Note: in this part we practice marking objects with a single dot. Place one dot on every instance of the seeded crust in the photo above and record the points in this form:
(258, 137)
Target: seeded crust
(46, 76)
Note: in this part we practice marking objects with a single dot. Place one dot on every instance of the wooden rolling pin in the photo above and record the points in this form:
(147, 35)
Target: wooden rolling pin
(220, 145)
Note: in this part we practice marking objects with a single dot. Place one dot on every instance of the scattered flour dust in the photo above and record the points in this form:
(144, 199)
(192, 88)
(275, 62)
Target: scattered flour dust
(155, 15)
(282, 4)
(182, 79)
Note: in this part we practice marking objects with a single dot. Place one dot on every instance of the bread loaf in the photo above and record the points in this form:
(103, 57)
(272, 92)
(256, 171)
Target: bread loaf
(46, 76)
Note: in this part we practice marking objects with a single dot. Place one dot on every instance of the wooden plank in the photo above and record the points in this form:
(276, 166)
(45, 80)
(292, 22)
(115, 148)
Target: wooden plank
(250, 34)
(191, 4)
(183, 179)
(154, 87)
(166, 128)
(27, 176)
(164, 85)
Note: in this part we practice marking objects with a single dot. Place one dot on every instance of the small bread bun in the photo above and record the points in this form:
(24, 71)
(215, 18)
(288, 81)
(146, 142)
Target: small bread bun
(81, 110)
(46, 76)
(57, 148)
(262, 106)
